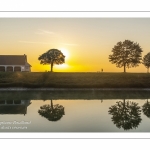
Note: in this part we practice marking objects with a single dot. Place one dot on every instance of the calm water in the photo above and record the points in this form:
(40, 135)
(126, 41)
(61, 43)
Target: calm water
(75, 111)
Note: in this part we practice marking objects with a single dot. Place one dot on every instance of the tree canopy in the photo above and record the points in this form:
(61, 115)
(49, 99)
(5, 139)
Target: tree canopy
(146, 61)
(52, 112)
(126, 114)
(126, 54)
(52, 56)
(146, 109)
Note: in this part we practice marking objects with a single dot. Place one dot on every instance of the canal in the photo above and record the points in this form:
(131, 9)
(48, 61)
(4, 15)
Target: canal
(75, 111)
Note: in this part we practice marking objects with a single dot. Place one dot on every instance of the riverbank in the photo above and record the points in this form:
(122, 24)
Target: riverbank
(74, 94)
(73, 89)
(53, 81)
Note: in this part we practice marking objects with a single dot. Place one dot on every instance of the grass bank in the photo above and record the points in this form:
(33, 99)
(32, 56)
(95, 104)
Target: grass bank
(74, 80)
(74, 95)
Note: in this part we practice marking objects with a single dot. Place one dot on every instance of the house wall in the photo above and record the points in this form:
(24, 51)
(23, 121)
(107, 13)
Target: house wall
(27, 68)
(14, 68)
(12, 102)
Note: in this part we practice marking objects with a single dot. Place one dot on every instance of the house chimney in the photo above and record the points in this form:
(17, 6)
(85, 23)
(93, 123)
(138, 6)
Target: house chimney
(25, 57)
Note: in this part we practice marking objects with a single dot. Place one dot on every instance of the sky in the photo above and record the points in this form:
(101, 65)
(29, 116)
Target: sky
(86, 42)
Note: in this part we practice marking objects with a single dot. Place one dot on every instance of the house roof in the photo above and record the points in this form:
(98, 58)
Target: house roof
(27, 64)
(13, 59)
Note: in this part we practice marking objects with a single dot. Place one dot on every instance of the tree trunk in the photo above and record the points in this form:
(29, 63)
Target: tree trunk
(124, 106)
(52, 104)
(124, 68)
(52, 67)
(124, 110)
(124, 103)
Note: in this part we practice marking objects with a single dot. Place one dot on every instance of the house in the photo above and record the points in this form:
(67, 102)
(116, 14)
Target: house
(14, 63)
(14, 106)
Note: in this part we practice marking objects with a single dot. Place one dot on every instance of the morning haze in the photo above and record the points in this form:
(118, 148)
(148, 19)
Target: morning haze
(86, 42)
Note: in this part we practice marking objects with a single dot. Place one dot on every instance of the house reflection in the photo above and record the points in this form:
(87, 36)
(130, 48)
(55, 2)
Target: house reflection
(14, 106)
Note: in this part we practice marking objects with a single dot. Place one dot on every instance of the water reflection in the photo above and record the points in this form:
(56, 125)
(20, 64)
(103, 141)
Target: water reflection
(14, 106)
(126, 114)
(52, 112)
(87, 111)
(146, 109)
(74, 94)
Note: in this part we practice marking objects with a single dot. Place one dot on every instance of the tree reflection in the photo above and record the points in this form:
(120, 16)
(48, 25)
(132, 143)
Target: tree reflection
(125, 114)
(146, 109)
(52, 112)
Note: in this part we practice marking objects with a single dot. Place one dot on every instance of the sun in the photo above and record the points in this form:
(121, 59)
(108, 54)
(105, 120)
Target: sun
(65, 52)
(65, 65)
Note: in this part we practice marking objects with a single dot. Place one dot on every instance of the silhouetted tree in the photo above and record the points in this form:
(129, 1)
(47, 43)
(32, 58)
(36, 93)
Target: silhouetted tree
(146, 61)
(126, 54)
(146, 109)
(52, 112)
(52, 56)
(125, 114)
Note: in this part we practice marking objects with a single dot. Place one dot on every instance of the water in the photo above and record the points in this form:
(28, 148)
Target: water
(75, 111)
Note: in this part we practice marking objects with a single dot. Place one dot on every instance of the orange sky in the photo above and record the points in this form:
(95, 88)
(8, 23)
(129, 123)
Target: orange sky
(86, 42)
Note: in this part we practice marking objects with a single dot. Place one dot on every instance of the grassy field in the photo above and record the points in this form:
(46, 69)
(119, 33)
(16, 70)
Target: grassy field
(74, 80)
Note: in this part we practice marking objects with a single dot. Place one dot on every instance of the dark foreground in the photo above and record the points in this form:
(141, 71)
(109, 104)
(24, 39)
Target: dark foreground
(74, 80)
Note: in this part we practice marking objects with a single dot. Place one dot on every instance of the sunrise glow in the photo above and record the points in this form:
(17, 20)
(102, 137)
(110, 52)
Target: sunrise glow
(65, 52)
(85, 42)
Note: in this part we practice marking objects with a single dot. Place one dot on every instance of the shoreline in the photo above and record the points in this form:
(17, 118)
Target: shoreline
(74, 89)
(73, 81)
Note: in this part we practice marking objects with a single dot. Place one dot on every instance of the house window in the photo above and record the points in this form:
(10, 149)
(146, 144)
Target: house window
(9, 101)
(2, 68)
(17, 68)
(9, 68)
